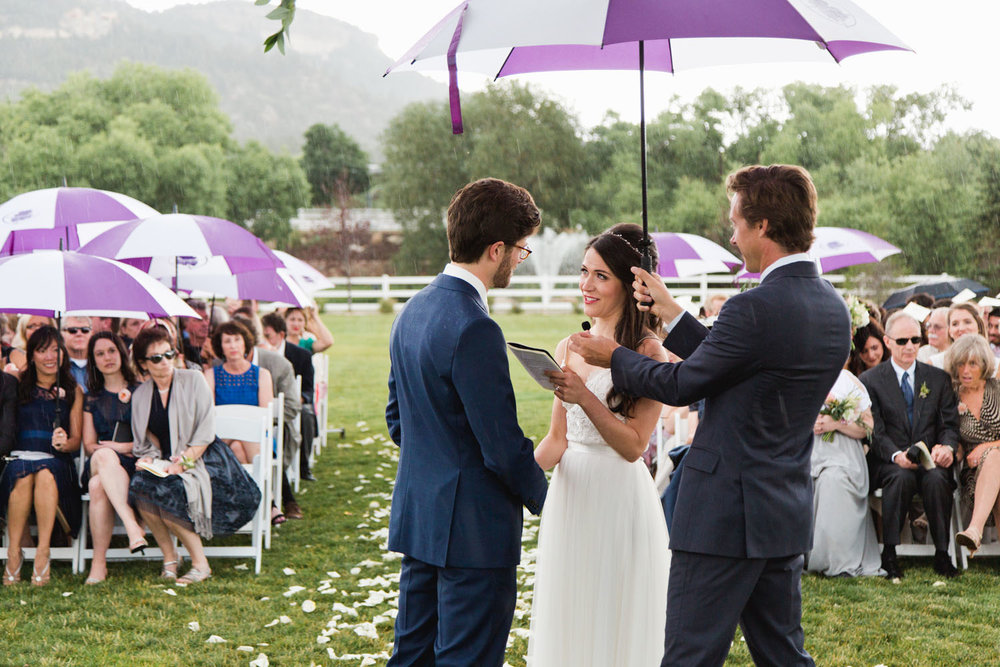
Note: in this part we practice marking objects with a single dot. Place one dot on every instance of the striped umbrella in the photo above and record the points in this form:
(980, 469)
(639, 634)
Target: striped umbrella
(689, 255)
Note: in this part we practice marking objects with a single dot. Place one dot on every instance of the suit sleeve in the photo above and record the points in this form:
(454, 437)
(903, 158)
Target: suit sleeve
(481, 376)
(715, 360)
(883, 447)
(392, 410)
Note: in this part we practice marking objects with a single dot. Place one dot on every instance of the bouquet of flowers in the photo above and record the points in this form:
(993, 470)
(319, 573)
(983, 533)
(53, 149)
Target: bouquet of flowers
(843, 410)
(859, 315)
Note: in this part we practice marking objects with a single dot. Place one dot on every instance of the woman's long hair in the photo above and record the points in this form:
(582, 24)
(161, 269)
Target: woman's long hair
(619, 247)
(873, 329)
(41, 339)
(95, 378)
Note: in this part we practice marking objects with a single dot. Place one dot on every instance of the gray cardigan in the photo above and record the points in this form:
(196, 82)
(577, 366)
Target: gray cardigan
(191, 415)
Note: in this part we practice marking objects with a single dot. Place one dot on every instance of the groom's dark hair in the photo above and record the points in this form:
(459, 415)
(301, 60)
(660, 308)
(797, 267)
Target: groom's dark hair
(486, 211)
(782, 194)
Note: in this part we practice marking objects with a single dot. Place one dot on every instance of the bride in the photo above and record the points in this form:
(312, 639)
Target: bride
(602, 562)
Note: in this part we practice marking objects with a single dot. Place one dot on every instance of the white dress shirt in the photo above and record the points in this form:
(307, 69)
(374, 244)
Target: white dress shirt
(456, 271)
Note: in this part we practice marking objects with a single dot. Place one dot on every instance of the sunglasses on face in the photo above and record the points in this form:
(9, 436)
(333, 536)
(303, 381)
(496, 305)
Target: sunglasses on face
(157, 358)
(916, 340)
(76, 330)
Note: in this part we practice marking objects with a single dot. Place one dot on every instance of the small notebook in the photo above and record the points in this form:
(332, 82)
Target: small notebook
(156, 467)
(536, 361)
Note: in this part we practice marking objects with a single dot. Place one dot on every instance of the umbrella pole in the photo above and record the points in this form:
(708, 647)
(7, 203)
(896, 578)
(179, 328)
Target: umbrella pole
(647, 256)
(57, 420)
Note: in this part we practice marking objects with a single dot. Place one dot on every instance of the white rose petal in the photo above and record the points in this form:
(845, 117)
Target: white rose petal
(264, 599)
(355, 570)
(261, 661)
(333, 575)
(171, 591)
(288, 571)
(194, 626)
(67, 594)
(368, 660)
(322, 639)
(241, 566)
(292, 590)
(245, 649)
(366, 630)
(308, 606)
(284, 619)
(272, 623)
(215, 639)
(938, 583)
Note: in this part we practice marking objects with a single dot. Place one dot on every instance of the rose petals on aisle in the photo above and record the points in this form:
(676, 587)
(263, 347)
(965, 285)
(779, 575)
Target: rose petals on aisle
(215, 639)
(194, 626)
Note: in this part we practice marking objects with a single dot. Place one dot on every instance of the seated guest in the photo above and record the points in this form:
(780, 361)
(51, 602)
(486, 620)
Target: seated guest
(282, 382)
(937, 335)
(963, 318)
(206, 491)
(195, 332)
(912, 402)
(869, 348)
(43, 475)
(107, 439)
(26, 325)
(921, 299)
(993, 330)
(128, 329)
(971, 364)
(306, 330)
(236, 381)
(844, 542)
(76, 332)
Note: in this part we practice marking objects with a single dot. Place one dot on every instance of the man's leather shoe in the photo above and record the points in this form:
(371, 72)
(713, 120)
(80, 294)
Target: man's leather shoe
(944, 566)
(891, 567)
(292, 510)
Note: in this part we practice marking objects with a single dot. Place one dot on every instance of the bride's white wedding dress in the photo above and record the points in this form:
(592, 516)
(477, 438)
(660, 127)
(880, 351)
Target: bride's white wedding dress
(602, 562)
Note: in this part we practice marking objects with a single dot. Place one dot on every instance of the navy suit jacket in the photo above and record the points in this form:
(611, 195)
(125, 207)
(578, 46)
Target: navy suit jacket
(764, 371)
(935, 415)
(465, 467)
(301, 361)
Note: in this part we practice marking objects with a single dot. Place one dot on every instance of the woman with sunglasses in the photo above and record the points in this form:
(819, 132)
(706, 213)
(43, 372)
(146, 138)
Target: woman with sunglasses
(201, 489)
(42, 476)
(107, 439)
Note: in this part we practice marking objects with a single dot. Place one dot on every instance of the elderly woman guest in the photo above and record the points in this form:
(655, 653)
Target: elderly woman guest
(43, 475)
(205, 491)
(869, 348)
(306, 330)
(963, 319)
(107, 439)
(237, 381)
(971, 365)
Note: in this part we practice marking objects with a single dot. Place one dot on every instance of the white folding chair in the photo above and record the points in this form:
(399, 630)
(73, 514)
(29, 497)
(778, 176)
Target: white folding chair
(253, 424)
(278, 460)
(292, 470)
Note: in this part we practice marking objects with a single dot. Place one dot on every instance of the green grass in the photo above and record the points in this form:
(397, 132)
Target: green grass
(130, 620)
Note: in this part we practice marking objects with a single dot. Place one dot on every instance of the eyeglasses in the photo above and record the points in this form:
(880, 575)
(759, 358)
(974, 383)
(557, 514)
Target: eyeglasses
(76, 330)
(525, 251)
(916, 340)
(157, 358)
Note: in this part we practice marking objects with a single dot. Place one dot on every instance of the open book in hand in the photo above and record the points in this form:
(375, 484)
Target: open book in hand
(156, 467)
(536, 361)
(919, 454)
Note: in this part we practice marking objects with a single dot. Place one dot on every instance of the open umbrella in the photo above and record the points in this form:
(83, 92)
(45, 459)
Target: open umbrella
(306, 275)
(689, 255)
(63, 218)
(212, 276)
(942, 287)
(504, 37)
(840, 247)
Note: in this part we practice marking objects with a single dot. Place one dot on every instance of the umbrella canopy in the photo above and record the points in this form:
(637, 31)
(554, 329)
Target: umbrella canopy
(177, 235)
(505, 37)
(52, 283)
(212, 276)
(42, 219)
(307, 276)
(689, 254)
(942, 287)
(840, 247)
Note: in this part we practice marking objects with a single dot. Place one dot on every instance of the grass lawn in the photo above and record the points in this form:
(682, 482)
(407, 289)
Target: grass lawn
(337, 556)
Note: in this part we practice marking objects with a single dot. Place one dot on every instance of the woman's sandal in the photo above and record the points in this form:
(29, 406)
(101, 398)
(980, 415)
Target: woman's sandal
(11, 578)
(166, 572)
(277, 518)
(139, 546)
(970, 539)
(194, 576)
(92, 581)
(40, 578)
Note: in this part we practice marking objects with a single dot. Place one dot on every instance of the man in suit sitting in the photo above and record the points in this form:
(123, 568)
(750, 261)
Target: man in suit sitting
(465, 467)
(743, 515)
(912, 402)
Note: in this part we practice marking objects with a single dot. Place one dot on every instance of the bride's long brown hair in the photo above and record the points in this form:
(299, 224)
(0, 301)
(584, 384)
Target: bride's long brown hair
(619, 248)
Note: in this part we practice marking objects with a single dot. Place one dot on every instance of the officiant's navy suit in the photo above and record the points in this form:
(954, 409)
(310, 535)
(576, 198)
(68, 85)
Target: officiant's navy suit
(743, 518)
(465, 471)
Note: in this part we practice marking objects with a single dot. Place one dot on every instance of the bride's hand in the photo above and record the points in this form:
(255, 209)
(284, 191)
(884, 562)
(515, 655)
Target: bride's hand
(569, 386)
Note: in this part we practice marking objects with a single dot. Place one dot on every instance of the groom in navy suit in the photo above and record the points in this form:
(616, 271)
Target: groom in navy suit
(465, 467)
(743, 518)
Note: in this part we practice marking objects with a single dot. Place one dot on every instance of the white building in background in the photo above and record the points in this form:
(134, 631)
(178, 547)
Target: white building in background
(380, 219)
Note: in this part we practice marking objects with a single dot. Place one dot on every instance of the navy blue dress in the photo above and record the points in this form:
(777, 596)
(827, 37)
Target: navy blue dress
(34, 434)
(108, 411)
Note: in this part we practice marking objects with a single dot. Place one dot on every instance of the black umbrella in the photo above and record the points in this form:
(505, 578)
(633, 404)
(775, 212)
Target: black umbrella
(944, 287)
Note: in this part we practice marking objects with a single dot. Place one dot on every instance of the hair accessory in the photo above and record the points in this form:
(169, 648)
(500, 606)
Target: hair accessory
(627, 242)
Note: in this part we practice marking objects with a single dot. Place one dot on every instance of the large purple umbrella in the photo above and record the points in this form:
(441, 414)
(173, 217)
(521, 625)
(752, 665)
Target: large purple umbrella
(840, 247)
(689, 254)
(64, 218)
(504, 37)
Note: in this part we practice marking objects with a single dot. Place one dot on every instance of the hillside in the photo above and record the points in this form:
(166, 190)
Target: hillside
(331, 74)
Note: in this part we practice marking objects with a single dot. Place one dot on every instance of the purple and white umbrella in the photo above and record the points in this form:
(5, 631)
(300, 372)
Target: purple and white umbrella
(505, 37)
(306, 275)
(44, 219)
(53, 283)
(211, 276)
(840, 247)
(684, 255)
(177, 235)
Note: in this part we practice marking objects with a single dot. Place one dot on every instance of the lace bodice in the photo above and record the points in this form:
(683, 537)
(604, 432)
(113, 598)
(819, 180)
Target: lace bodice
(579, 428)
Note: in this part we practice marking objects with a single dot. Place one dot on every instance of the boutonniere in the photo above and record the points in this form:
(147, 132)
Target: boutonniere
(124, 396)
(924, 391)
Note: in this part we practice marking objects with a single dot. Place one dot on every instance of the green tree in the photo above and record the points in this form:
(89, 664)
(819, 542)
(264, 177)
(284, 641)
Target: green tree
(330, 156)
(265, 191)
